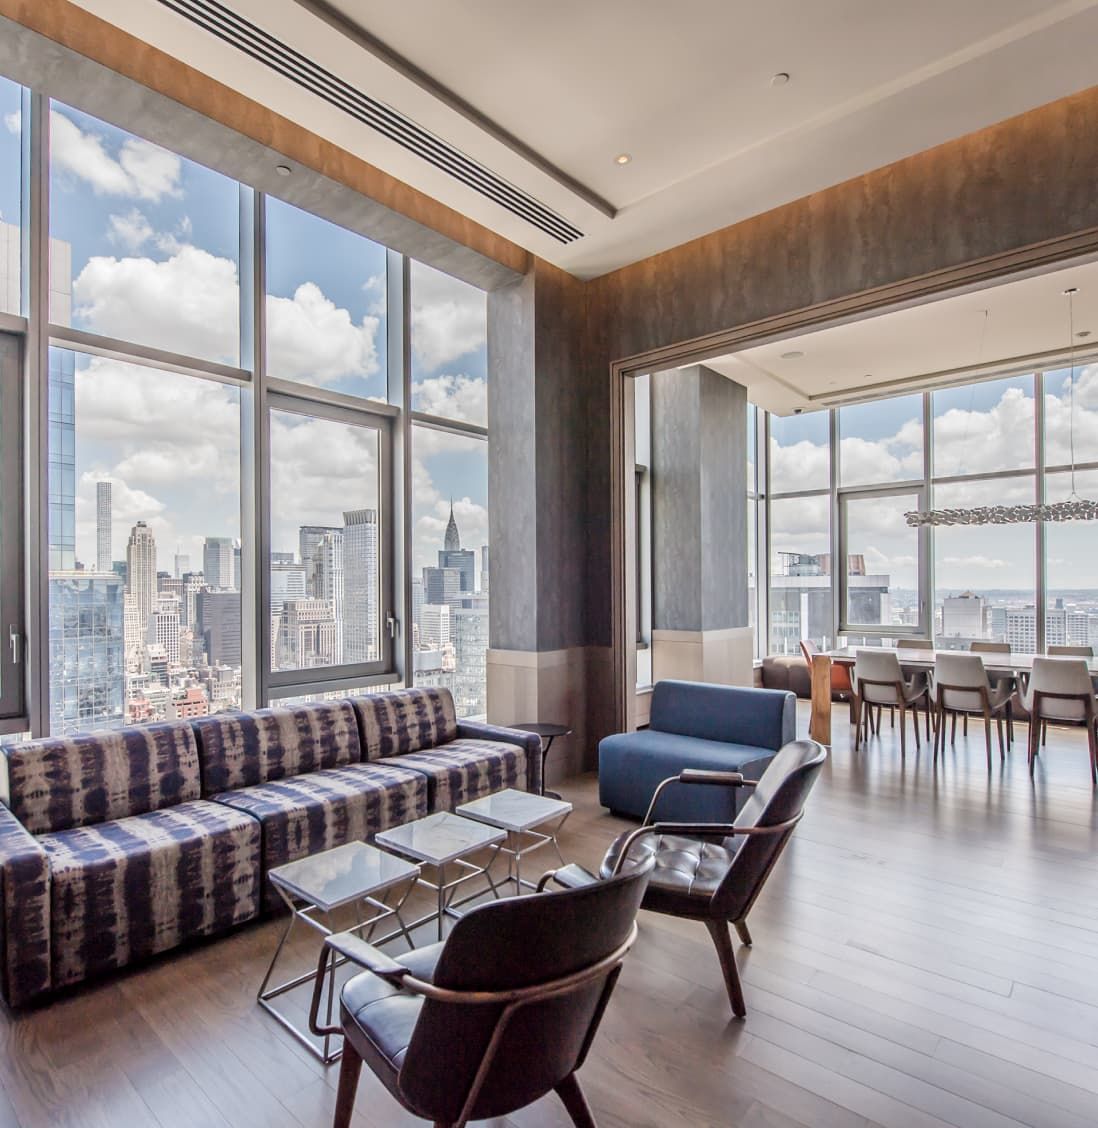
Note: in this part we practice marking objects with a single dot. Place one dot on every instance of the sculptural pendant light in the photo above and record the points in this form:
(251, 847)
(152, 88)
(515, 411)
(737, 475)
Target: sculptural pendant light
(1075, 508)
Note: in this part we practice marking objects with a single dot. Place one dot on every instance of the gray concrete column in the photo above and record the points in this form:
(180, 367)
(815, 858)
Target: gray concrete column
(699, 527)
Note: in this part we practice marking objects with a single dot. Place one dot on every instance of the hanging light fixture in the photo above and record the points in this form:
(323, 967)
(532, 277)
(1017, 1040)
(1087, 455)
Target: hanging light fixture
(1075, 508)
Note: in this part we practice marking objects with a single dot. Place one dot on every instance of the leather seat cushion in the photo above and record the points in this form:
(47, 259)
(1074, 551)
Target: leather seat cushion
(687, 870)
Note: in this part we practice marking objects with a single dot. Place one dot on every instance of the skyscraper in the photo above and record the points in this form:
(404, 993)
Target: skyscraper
(308, 539)
(360, 586)
(442, 585)
(182, 565)
(103, 552)
(217, 563)
(328, 582)
(141, 572)
(452, 555)
(217, 620)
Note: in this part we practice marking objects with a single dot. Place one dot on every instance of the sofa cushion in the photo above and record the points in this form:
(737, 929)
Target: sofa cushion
(245, 749)
(632, 764)
(766, 718)
(408, 720)
(65, 782)
(314, 812)
(464, 770)
(131, 888)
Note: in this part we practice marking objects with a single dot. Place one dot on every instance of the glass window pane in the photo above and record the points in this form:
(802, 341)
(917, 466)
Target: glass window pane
(450, 565)
(325, 304)
(985, 575)
(881, 441)
(1059, 416)
(136, 494)
(11, 179)
(1071, 617)
(984, 427)
(144, 245)
(449, 346)
(800, 573)
(800, 456)
(882, 553)
(752, 422)
(752, 584)
(326, 541)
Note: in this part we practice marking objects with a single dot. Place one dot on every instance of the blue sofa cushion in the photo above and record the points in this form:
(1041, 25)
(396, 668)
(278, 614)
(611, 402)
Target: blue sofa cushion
(127, 889)
(632, 764)
(766, 718)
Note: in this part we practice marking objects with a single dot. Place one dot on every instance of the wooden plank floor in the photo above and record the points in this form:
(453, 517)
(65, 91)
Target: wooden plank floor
(925, 955)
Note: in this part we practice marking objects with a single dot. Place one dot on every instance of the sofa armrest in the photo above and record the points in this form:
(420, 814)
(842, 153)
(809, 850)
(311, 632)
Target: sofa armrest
(477, 730)
(24, 912)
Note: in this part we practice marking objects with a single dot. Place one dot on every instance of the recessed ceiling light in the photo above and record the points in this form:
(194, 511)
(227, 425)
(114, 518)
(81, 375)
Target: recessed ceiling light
(622, 159)
(779, 79)
(283, 170)
(793, 354)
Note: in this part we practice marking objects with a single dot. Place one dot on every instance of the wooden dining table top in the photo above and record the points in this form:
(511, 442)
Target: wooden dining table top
(924, 659)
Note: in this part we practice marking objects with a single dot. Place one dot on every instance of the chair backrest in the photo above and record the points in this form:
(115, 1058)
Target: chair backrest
(809, 650)
(778, 797)
(953, 669)
(1071, 651)
(914, 644)
(516, 943)
(877, 666)
(763, 718)
(60, 783)
(989, 647)
(840, 675)
(1059, 676)
(405, 720)
(245, 749)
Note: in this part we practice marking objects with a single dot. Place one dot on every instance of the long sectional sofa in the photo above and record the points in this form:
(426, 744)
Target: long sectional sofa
(118, 845)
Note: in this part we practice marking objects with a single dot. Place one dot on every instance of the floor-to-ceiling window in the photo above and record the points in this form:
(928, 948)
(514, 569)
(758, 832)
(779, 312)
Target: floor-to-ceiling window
(246, 485)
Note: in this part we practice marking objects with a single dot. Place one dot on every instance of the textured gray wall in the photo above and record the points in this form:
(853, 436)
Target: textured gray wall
(699, 501)
(536, 482)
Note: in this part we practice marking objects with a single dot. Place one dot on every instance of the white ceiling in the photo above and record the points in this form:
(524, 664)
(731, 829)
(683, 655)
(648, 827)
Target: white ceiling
(1009, 327)
(683, 87)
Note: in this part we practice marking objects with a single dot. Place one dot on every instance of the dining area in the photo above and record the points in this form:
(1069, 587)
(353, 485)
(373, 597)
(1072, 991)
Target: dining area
(934, 692)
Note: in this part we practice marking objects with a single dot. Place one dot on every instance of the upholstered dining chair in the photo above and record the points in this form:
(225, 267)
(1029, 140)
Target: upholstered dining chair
(914, 644)
(879, 680)
(1001, 682)
(1064, 651)
(713, 872)
(1061, 690)
(961, 687)
(494, 1017)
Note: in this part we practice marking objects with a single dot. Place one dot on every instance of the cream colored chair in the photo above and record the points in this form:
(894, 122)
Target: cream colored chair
(878, 680)
(1061, 690)
(961, 687)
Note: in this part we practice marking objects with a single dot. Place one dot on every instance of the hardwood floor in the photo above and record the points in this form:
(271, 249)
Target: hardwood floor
(925, 955)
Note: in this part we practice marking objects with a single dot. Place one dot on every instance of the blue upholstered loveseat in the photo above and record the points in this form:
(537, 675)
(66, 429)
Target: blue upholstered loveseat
(117, 845)
(694, 725)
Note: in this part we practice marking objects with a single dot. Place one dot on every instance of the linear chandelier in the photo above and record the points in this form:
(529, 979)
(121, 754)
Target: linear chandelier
(1075, 508)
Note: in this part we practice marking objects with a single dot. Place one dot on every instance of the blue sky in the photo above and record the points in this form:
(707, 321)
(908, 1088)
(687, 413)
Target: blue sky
(154, 243)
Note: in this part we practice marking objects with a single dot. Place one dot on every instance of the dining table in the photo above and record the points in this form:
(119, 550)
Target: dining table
(1016, 665)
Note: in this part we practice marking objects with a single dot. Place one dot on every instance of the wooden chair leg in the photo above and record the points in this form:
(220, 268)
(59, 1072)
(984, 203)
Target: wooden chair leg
(742, 932)
(1031, 744)
(952, 730)
(575, 1102)
(1044, 734)
(915, 723)
(987, 737)
(1092, 735)
(966, 724)
(903, 731)
(350, 1066)
(856, 720)
(999, 727)
(926, 702)
(722, 941)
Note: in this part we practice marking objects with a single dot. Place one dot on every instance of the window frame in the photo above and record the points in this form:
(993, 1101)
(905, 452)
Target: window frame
(12, 625)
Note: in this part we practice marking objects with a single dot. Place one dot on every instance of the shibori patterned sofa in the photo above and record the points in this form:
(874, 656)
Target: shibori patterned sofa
(118, 845)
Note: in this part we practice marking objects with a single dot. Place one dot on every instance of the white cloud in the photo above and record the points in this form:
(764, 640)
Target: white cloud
(975, 561)
(188, 303)
(464, 398)
(131, 231)
(310, 337)
(140, 171)
(449, 318)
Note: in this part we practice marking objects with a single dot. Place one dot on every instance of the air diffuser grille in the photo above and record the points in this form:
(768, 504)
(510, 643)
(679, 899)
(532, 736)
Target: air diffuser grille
(265, 48)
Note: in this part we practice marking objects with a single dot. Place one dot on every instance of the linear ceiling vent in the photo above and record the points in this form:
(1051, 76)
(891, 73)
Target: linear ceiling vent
(254, 41)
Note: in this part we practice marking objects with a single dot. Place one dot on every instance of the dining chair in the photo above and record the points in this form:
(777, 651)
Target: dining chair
(914, 644)
(494, 1017)
(1061, 690)
(1060, 651)
(1002, 681)
(841, 689)
(961, 687)
(878, 680)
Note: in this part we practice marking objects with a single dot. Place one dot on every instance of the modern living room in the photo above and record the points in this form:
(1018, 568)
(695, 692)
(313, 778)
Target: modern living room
(524, 616)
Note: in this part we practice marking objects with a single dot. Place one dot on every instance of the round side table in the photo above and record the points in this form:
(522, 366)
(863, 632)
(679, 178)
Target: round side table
(546, 733)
